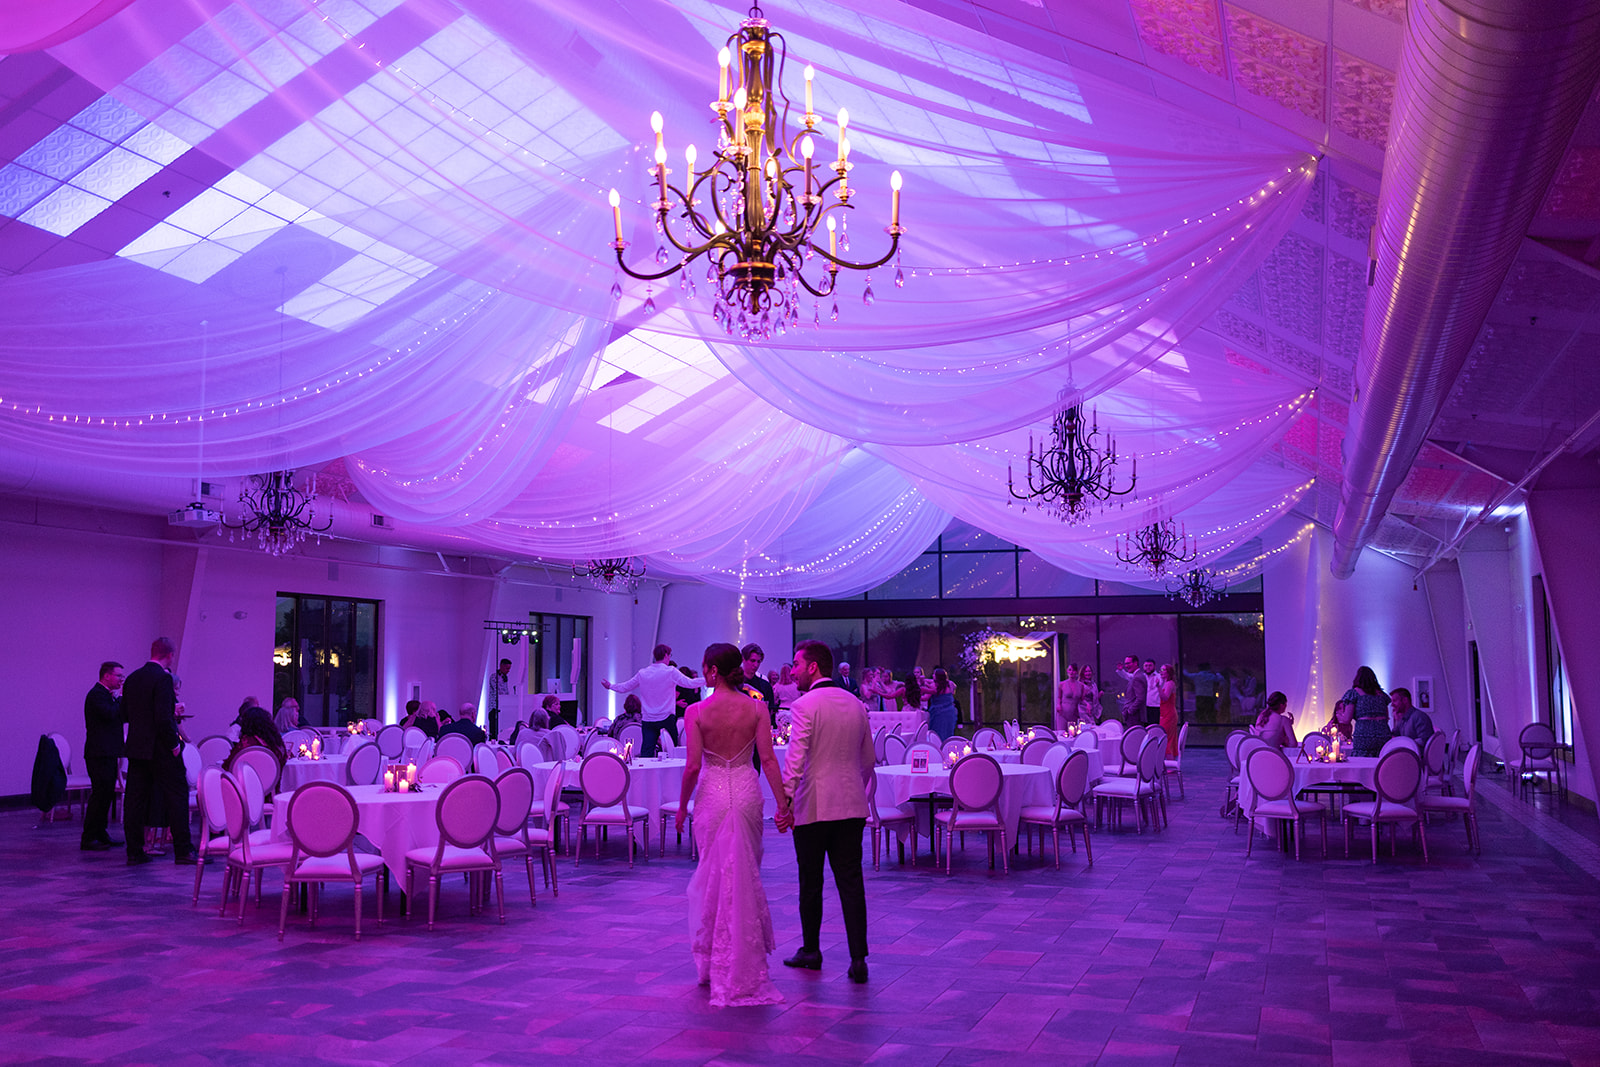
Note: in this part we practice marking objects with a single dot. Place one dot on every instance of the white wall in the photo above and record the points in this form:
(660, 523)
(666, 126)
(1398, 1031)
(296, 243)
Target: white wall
(1320, 629)
(85, 586)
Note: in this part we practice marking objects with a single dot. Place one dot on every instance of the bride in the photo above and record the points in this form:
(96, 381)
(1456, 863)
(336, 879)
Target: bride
(730, 928)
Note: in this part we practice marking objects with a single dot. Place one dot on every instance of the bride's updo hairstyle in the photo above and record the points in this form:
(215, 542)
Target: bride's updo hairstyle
(726, 661)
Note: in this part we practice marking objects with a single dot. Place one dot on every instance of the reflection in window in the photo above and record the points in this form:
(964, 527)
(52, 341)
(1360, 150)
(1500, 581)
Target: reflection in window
(980, 574)
(919, 581)
(1224, 673)
(325, 655)
(1038, 578)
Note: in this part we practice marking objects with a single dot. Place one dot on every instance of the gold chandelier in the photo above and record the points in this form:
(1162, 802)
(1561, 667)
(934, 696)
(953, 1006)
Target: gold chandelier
(755, 209)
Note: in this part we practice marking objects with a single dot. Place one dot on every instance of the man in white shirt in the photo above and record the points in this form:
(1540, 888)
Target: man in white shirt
(829, 768)
(657, 686)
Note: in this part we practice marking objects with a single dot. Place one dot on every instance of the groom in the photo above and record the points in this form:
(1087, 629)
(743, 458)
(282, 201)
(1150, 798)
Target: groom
(829, 769)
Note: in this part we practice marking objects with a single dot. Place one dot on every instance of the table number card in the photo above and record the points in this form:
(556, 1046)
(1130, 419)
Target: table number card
(919, 762)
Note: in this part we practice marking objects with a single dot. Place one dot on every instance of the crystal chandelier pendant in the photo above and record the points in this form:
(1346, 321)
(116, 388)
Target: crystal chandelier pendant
(866, 294)
(616, 289)
(649, 301)
(834, 314)
(844, 234)
(899, 275)
(661, 255)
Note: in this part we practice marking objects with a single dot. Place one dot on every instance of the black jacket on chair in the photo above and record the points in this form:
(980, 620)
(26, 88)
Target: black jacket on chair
(49, 776)
(102, 723)
(151, 704)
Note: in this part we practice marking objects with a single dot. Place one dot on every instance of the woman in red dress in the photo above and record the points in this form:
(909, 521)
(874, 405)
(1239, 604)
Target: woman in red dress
(1169, 709)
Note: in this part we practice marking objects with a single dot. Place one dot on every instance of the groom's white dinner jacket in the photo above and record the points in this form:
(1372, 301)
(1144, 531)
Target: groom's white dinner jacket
(830, 756)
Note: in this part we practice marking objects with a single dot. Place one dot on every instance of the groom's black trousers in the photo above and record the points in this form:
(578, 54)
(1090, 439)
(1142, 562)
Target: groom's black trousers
(840, 841)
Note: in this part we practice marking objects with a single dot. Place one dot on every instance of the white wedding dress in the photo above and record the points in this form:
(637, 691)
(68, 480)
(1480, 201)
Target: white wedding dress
(730, 928)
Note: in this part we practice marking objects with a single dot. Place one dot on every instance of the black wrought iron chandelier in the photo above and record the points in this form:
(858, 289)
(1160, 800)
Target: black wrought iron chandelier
(1157, 548)
(1196, 588)
(754, 212)
(784, 603)
(616, 574)
(1072, 475)
(277, 513)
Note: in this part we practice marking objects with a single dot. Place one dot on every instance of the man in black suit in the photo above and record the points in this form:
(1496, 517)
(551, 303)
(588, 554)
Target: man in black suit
(155, 754)
(102, 747)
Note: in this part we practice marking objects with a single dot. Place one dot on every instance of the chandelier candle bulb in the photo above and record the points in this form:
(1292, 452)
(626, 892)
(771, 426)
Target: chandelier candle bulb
(661, 177)
(723, 58)
(844, 145)
(811, 118)
(833, 236)
(616, 213)
(894, 200)
(655, 126)
(807, 148)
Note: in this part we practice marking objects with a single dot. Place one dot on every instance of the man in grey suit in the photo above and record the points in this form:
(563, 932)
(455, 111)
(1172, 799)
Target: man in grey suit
(829, 770)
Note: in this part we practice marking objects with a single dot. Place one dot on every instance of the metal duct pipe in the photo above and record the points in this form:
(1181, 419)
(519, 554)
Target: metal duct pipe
(1488, 95)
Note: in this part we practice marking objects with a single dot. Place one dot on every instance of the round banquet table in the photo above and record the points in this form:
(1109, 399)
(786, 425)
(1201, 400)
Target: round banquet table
(297, 772)
(1021, 785)
(1362, 770)
(393, 823)
(1004, 755)
(650, 782)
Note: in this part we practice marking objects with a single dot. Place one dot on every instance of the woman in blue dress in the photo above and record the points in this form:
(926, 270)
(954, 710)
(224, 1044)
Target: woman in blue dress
(942, 706)
(1372, 713)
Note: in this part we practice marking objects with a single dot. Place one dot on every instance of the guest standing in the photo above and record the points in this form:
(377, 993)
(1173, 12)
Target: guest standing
(657, 685)
(913, 702)
(846, 682)
(155, 755)
(942, 706)
(1169, 708)
(1371, 715)
(102, 747)
(829, 769)
(1135, 688)
(1089, 702)
(751, 657)
(500, 685)
(1069, 694)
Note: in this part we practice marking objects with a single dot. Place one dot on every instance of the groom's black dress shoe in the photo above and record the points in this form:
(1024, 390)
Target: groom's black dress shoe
(811, 960)
(858, 972)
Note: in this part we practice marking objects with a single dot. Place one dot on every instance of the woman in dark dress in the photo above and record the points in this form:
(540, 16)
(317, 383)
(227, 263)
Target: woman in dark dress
(942, 706)
(1372, 713)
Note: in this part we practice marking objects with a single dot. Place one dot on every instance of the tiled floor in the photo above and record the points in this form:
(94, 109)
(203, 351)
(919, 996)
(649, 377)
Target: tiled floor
(1171, 949)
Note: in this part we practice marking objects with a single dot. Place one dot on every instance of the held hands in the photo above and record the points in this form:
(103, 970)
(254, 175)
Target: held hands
(784, 819)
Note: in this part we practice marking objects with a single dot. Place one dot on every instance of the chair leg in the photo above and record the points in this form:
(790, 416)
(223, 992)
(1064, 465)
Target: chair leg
(1250, 839)
(1088, 851)
(1055, 832)
(527, 861)
(433, 897)
(500, 893)
(358, 911)
(283, 908)
(1423, 831)
(1005, 854)
(1374, 841)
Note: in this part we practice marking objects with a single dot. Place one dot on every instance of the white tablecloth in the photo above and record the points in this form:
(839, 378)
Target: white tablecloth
(1362, 770)
(650, 782)
(1004, 755)
(297, 772)
(1023, 784)
(393, 823)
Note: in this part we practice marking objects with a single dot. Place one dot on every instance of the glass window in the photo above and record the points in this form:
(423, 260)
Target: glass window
(962, 537)
(919, 581)
(1152, 638)
(903, 644)
(1130, 589)
(325, 655)
(1038, 578)
(980, 574)
(844, 636)
(1224, 672)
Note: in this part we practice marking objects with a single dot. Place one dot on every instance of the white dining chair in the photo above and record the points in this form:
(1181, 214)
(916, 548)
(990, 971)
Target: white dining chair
(363, 765)
(543, 839)
(1142, 791)
(878, 740)
(267, 764)
(213, 839)
(484, 760)
(392, 741)
(986, 737)
(1436, 763)
(322, 819)
(635, 733)
(927, 749)
(440, 770)
(1397, 782)
(1230, 749)
(880, 820)
(214, 750)
(511, 840)
(1128, 749)
(975, 785)
(1174, 765)
(529, 753)
(1071, 786)
(1535, 760)
(894, 750)
(412, 740)
(1272, 797)
(248, 857)
(604, 780)
(457, 747)
(669, 813)
(602, 743)
(1313, 747)
(955, 747)
(468, 811)
(1464, 806)
(1033, 752)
